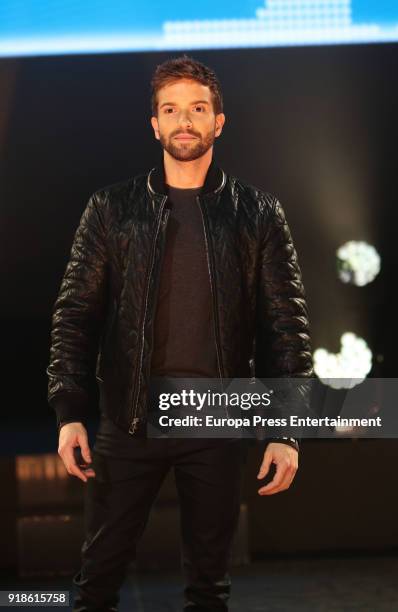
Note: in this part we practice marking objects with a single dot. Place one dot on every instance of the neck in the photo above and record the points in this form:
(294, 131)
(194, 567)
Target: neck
(186, 174)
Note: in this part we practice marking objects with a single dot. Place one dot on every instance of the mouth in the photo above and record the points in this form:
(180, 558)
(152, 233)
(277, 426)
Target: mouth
(185, 137)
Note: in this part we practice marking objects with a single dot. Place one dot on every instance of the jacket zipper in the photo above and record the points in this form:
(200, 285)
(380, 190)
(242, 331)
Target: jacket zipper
(213, 292)
(135, 420)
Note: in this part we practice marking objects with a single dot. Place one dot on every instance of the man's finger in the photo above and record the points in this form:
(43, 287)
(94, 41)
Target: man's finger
(273, 487)
(264, 468)
(81, 454)
(283, 474)
(85, 449)
(89, 473)
(71, 465)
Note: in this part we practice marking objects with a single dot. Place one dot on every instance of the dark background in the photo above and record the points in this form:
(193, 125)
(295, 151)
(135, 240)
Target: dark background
(316, 126)
(313, 125)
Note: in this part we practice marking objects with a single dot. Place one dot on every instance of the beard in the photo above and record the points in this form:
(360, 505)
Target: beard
(188, 150)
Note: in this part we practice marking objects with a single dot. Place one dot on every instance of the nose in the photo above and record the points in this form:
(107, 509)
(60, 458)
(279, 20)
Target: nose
(185, 120)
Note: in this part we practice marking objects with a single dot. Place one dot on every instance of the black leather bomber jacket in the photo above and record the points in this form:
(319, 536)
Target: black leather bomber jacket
(102, 321)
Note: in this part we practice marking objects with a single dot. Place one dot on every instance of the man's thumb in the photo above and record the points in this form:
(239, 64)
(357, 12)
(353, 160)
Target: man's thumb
(265, 465)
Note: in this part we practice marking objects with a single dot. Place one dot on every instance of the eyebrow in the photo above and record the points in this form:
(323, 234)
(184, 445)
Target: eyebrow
(173, 103)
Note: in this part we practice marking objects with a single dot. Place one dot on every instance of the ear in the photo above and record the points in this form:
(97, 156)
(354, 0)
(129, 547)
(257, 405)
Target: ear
(155, 126)
(220, 120)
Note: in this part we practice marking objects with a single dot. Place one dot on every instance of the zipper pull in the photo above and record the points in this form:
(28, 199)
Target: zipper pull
(134, 425)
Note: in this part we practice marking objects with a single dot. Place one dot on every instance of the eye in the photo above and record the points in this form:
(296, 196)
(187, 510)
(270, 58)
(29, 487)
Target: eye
(201, 107)
(168, 109)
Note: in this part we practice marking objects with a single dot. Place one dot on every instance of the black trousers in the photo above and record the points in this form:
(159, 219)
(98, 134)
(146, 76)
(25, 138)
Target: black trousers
(118, 500)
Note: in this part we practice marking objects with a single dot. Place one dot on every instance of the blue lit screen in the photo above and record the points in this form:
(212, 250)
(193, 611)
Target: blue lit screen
(37, 27)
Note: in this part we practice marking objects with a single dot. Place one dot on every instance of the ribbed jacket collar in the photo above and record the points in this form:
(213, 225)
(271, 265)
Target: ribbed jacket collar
(214, 182)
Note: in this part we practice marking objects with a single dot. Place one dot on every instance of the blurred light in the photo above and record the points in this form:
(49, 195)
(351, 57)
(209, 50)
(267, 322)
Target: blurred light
(358, 263)
(347, 368)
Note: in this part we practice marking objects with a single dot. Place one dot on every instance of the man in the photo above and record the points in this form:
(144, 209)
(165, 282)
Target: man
(184, 271)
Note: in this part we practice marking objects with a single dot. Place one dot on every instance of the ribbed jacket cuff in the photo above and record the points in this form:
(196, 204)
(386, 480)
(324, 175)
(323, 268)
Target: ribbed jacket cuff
(70, 407)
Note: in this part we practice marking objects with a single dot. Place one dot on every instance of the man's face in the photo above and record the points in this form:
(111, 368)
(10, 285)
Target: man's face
(185, 108)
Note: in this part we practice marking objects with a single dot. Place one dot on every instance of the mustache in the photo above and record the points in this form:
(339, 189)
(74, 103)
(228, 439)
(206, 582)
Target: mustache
(186, 132)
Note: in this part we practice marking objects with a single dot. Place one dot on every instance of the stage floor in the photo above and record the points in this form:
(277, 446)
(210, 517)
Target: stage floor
(316, 584)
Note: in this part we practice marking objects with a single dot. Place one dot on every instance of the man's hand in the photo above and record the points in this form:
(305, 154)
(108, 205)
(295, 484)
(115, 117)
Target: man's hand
(286, 459)
(74, 435)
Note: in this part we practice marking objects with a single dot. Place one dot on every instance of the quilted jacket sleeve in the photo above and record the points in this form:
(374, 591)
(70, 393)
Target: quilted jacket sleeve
(77, 319)
(282, 343)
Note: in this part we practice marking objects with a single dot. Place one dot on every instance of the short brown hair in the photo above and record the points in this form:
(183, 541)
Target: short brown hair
(185, 67)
